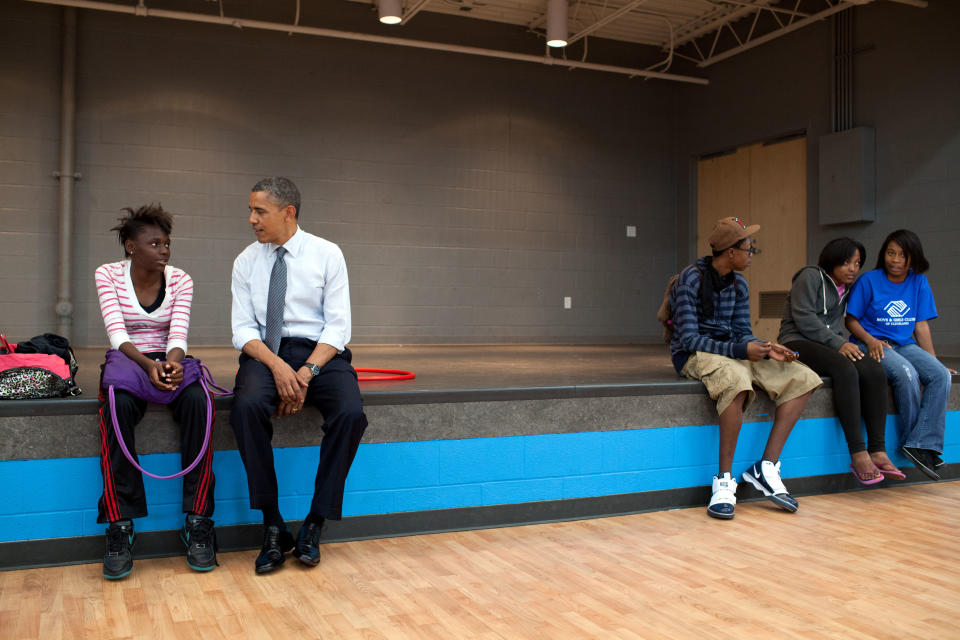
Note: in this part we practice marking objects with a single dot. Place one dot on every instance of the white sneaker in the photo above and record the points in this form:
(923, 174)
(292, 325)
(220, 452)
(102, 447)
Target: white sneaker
(765, 477)
(724, 497)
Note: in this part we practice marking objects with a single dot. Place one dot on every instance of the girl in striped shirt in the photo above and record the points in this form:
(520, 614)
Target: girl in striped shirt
(145, 304)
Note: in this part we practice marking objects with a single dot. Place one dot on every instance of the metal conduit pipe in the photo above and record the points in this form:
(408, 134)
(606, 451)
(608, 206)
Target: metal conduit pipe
(835, 81)
(841, 95)
(67, 173)
(141, 10)
(844, 69)
(849, 70)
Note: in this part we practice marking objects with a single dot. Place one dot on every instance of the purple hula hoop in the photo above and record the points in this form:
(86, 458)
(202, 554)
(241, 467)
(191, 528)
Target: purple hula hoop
(218, 390)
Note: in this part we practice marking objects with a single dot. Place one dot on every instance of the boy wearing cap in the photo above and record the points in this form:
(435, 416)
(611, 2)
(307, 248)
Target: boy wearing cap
(714, 343)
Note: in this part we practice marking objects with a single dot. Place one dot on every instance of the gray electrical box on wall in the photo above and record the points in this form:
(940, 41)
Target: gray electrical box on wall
(848, 187)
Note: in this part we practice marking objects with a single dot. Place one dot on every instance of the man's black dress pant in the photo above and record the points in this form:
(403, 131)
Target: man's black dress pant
(335, 392)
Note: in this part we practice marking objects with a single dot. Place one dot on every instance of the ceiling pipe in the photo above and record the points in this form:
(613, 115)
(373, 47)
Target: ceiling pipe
(67, 174)
(364, 37)
(607, 19)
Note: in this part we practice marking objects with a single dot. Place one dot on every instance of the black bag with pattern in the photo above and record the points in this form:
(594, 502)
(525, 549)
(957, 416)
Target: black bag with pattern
(42, 367)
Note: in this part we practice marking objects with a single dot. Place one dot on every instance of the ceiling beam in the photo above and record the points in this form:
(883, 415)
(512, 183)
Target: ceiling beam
(773, 35)
(718, 18)
(414, 10)
(142, 10)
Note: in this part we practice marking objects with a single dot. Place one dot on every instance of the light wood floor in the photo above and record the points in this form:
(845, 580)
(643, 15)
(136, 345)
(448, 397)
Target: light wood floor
(876, 564)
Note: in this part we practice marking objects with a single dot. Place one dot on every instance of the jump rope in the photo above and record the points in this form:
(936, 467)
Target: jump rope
(207, 383)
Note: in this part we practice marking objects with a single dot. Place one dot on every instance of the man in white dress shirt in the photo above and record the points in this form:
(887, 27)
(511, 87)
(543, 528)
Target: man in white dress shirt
(291, 321)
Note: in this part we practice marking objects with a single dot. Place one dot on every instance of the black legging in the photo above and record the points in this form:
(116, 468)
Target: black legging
(859, 389)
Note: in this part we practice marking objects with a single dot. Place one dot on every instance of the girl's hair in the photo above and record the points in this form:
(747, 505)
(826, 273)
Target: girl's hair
(838, 251)
(149, 215)
(912, 249)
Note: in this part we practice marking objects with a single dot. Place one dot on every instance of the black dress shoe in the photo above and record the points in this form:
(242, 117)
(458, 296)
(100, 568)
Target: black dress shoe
(276, 542)
(308, 541)
(923, 459)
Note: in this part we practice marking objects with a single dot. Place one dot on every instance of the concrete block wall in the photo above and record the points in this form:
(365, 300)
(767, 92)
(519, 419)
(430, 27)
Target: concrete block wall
(469, 195)
(29, 144)
(902, 89)
(905, 62)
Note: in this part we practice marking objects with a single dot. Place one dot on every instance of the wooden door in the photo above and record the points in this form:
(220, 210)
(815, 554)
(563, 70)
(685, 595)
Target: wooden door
(763, 184)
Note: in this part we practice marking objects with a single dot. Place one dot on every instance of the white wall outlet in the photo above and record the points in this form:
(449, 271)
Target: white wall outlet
(631, 231)
(567, 302)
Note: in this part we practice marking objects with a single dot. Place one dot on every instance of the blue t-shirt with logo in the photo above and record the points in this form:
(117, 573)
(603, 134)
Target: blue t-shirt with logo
(890, 310)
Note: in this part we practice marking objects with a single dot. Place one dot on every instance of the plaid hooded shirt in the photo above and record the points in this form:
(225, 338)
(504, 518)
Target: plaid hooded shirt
(726, 333)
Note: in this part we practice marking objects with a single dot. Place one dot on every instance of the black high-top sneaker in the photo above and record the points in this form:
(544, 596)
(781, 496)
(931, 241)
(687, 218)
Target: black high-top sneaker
(201, 542)
(118, 561)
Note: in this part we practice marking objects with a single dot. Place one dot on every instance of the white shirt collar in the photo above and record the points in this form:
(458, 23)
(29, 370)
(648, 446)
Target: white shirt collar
(294, 245)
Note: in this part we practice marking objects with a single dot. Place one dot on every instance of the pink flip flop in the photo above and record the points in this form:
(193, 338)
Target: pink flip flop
(893, 473)
(862, 481)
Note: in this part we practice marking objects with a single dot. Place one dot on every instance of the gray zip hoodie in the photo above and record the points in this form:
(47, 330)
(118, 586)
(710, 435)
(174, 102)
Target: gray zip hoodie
(814, 311)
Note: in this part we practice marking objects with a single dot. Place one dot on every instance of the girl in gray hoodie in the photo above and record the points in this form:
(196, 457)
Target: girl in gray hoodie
(813, 326)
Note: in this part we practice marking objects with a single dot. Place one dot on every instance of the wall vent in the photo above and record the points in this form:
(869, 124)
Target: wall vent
(772, 303)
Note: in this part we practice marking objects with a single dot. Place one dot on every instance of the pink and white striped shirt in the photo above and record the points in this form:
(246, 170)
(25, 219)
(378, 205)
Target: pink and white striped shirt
(164, 329)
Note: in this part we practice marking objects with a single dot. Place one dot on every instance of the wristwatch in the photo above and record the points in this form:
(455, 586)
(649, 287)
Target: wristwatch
(314, 369)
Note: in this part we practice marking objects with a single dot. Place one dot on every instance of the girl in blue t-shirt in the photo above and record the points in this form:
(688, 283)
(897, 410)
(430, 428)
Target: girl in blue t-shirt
(887, 314)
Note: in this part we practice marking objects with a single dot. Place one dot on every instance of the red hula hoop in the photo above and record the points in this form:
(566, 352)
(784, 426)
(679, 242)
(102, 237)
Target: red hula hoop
(393, 374)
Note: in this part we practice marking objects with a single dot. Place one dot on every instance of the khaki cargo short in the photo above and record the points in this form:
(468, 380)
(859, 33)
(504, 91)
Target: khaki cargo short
(725, 377)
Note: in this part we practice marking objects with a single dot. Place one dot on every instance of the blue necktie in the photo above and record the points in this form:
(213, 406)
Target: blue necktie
(276, 295)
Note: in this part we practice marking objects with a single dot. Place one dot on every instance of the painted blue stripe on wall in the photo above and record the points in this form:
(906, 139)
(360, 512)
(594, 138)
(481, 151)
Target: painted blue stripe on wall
(57, 498)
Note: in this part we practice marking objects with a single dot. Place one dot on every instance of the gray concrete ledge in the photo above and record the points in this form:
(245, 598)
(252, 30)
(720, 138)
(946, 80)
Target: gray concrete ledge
(68, 428)
(88, 403)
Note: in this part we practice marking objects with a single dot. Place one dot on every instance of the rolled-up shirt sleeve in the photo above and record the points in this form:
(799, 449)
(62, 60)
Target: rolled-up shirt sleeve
(336, 303)
(242, 317)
